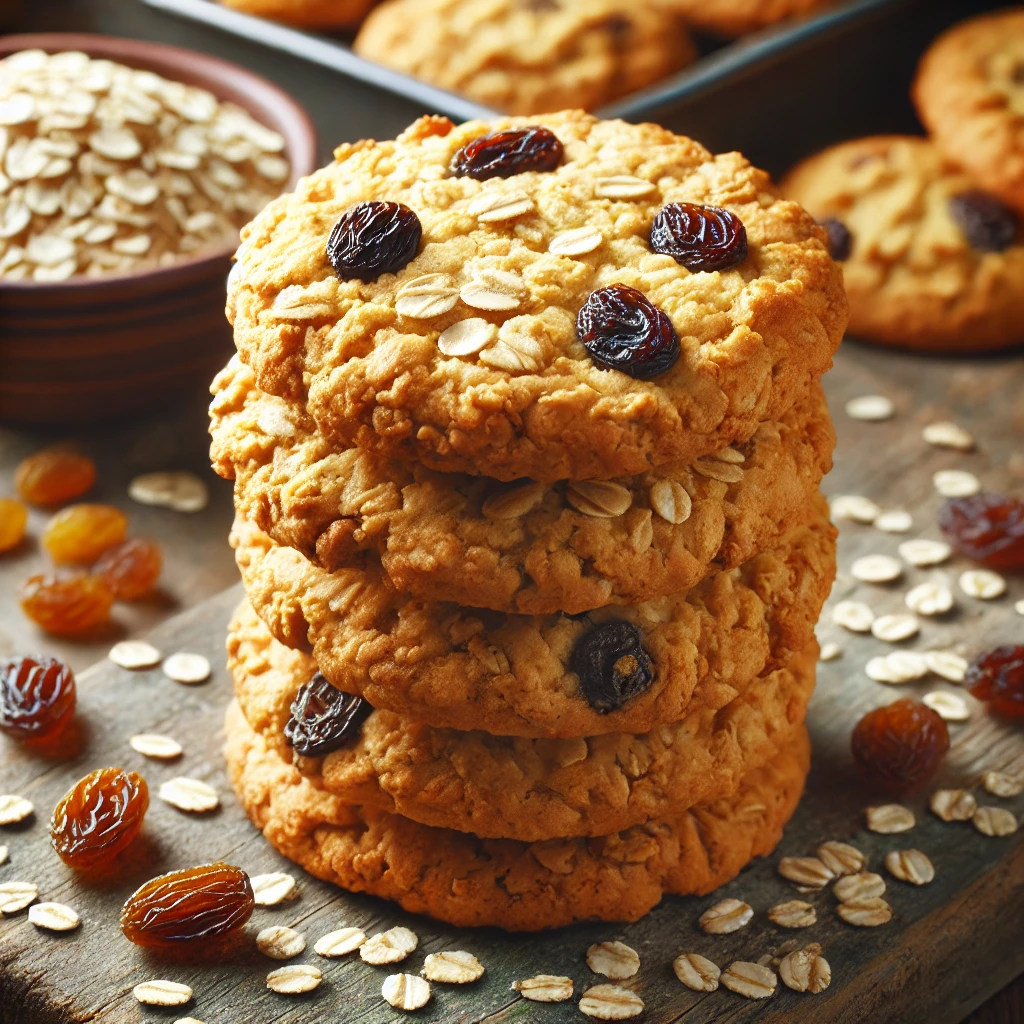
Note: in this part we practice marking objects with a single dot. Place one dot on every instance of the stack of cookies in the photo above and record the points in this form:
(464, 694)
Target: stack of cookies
(527, 434)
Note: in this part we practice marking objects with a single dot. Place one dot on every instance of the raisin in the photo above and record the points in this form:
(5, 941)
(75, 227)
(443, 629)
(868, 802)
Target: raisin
(324, 718)
(53, 477)
(66, 604)
(900, 746)
(373, 238)
(188, 906)
(130, 568)
(81, 533)
(998, 679)
(509, 152)
(99, 817)
(840, 241)
(612, 665)
(623, 330)
(37, 697)
(987, 224)
(987, 527)
(699, 237)
(13, 517)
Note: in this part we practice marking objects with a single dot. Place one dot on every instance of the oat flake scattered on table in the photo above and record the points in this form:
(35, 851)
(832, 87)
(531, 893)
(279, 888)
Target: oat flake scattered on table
(870, 408)
(15, 896)
(545, 988)
(611, 1002)
(53, 917)
(389, 947)
(14, 809)
(405, 991)
(273, 888)
(452, 967)
(187, 669)
(155, 746)
(295, 979)
(189, 795)
(340, 942)
(614, 960)
(178, 490)
(134, 654)
(953, 804)
(162, 993)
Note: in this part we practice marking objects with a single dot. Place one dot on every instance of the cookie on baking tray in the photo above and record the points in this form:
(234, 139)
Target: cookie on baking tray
(307, 13)
(732, 18)
(929, 260)
(549, 298)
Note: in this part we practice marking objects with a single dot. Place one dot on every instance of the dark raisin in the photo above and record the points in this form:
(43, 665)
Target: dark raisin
(623, 330)
(612, 665)
(374, 238)
(37, 697)
(324, 718)
(508, 152)
(900, 746)
(987, 527)
(840, 241)
(699, 237)
(997, 678)
(987, 224)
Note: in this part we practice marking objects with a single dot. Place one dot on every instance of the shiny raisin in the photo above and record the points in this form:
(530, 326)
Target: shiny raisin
(987, 527)
(81, 533)
(840, 241)
(37, 697)
(612, 665)
(987, 224)
(508, 152)
(623, 330)
(900, 746)
(998, 679)
(99, 817)
(66, 604)
(699, 237)
(53, 477)
(13, 517)
(130, 568)
(324, 718)
(188, 906)
(373, 238)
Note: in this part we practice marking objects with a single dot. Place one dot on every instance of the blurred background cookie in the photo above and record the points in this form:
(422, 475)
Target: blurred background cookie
(732, 18)
(307, 13)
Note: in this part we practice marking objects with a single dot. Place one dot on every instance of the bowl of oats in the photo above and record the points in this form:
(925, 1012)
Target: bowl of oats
(127, 169)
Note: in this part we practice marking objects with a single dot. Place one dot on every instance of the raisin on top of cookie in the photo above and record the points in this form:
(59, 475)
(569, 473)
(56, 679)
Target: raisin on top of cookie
(474, 355)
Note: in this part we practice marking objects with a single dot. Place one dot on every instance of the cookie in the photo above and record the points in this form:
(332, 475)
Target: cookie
(731, 18)
(531, 789)
(929, 262)
(527, 548)
(307, 13)
(468, 881)
(969, 92)
(452, 666)
(482, 268)
(529, 56)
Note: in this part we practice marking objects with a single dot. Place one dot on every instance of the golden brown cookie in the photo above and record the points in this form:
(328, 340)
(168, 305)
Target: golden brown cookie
(307, 13)
(527, 548)
(529, 56)
(452, 666)
(928, 261)
(468, 881)
(969, 93)
(732, 18)
(485, 271)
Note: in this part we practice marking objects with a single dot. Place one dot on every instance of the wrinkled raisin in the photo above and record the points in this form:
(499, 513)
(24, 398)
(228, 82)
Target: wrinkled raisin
(509, 152)
(373, 238)
(699, 237)
(53, 477)
(66, 604)
(81, 533)
(324, 718)
(130, 568)
(13, 517)
(623, 330)
(612, 665)
(987, 527)
(188, 906)
(987, 224)
(99, 816)
(998, 679)
(37, 697)
(900, 746)
(840, 241)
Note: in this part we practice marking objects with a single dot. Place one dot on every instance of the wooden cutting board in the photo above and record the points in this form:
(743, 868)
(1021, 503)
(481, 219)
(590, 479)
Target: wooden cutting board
(950, 946)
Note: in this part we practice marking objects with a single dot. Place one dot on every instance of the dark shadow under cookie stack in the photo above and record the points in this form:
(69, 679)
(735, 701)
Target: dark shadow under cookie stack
(527, 468)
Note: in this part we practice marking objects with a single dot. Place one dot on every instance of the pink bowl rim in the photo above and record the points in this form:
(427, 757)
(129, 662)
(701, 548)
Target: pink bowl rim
(301, 147)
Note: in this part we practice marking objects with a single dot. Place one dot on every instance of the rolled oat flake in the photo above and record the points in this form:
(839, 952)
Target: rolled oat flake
(162, 993)
(14, 809)
(178, 491)
(340, 942)
(280, 943)
(452, 967)
(273, 888)
(389, 947)
(696, 972)
(189, 795)
(611, 1002)
(728, 915)
(294, 979)
(188, 669)
(53, 917)
(134, 654)
(614, 960)
(15, 896)
(405, 991)
(545, 988)
(755, 981)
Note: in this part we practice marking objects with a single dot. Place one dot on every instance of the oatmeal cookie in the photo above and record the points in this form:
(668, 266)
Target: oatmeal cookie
(467, 881)
(527, 548)
(499, 270)
(529, 56)
(969, 93)
(307, 13)
(452, 666)
(930, 262)
(731, 18)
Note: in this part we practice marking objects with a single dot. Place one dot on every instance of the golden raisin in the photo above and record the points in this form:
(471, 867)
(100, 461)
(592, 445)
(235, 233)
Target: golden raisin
(99, 817)
(66, 604)
(53, 477)
(37, 697)
(13, 517)
(81, 533)
(900, 746)
(131, 568)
